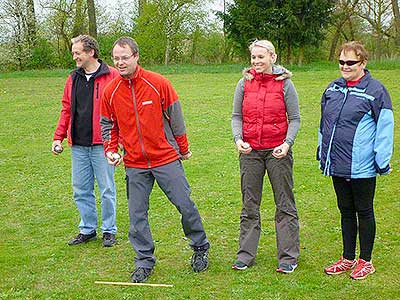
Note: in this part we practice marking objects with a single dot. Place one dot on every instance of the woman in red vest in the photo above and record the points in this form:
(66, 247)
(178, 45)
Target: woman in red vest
(265, 121)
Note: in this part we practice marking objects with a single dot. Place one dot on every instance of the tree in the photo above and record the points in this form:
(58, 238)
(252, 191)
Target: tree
(18, 19)
(344, 11)
(31, 23)
(396, 15)
(165, 25)
(289, 24)
(79, 19)
(60, 23)
(141, 4)
(306, 19)
(377, 14)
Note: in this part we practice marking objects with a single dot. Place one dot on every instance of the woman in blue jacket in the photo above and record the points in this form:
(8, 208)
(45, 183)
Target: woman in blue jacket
(355, 143)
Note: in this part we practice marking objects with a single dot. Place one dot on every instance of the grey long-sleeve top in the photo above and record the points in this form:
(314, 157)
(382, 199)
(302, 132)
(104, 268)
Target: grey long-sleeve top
(291, 103)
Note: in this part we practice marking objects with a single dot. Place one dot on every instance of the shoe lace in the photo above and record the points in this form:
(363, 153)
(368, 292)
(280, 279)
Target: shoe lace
(361, 267)
(199, 255)
(344, 263)
(199, 259)
(141, 272)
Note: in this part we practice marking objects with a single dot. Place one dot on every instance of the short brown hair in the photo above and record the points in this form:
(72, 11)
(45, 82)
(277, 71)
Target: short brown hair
(355, 47)
(88, 42)
(127, 41)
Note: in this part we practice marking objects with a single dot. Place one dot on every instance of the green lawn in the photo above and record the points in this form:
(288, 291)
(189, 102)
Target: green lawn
(38, 216)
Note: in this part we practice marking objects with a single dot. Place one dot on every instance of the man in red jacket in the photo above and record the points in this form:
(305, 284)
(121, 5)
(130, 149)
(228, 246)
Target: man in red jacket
(80, 123)
(141, 109)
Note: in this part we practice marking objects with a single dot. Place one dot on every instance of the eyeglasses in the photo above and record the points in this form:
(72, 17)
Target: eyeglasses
(348, 62)
(122, 58)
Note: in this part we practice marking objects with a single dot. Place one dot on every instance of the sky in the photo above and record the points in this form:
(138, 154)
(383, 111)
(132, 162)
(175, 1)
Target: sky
(115, 5)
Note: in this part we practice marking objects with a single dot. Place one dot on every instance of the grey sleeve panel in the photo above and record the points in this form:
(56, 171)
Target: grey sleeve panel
(292, 110)
(174, 115)
(237, 118)
(106, 125)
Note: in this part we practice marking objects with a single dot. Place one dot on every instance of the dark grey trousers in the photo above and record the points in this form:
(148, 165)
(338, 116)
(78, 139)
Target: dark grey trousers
(172, 181)
(280, 173)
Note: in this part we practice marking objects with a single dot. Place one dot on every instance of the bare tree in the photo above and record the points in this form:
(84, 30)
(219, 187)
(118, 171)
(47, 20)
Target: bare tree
(344, 11)
(378, 14)
(59, 22)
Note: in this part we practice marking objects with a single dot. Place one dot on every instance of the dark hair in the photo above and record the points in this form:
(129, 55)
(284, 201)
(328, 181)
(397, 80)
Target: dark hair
(127, 41)
(356, 47)
(88, 42)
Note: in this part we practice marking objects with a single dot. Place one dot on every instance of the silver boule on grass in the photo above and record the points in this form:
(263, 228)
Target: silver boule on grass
(58, 149)
(115, 156)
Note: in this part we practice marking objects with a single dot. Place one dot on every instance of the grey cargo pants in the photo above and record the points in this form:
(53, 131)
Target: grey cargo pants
(172, 181)
(280, 173)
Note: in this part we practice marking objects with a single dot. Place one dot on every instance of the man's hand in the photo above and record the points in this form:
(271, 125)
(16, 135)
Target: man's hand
(113, 158)
(243, 147)
(56, 147)
(186, 156)
(281, 150)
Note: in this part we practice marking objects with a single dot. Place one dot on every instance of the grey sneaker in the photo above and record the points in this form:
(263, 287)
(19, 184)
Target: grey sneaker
(108, 239)
(238, 265)
(141, 274)
(82, 238)
(286, 268)
(199, 261)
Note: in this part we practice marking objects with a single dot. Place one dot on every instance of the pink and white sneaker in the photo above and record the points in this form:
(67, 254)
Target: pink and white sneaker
(362, 269)
(341, 266)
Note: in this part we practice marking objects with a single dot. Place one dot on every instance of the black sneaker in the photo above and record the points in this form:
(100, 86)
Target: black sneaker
(82, 238)
(141, 274)
(199, 261)
(108, 239)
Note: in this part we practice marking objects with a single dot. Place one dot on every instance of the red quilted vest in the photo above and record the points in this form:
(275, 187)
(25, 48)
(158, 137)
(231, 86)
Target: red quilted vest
(265, 121)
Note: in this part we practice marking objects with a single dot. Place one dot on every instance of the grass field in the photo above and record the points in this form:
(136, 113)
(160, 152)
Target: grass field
(38, 216)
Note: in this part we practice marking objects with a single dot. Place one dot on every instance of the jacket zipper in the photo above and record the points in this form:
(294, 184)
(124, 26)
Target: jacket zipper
(141, 142)
(328, 154)
(97, 91)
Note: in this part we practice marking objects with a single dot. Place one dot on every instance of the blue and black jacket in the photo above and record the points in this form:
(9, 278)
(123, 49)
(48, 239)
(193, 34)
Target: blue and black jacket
(355, 138)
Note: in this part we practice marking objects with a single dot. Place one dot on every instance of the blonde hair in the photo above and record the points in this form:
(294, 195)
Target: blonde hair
(264, 44)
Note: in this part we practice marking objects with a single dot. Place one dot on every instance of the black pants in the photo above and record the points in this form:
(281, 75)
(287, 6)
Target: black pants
(355, 199)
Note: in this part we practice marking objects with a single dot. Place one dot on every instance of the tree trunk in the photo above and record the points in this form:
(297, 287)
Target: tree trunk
(92, 18)
(300, 59)
(167, 50)
(378, 52)
(78, 22)
(31, 23)
(396, 14)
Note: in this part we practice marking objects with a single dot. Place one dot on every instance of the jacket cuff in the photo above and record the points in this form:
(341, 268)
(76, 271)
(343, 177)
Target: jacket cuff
(382, 171)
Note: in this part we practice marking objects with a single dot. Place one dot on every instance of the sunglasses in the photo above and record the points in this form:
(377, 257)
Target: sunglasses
(348, 62)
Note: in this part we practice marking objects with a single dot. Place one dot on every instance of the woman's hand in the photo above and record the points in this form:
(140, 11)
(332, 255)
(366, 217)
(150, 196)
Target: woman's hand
(281, 151)
(243, 147)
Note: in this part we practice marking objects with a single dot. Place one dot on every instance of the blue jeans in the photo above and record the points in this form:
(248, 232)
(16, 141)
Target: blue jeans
(89, 163)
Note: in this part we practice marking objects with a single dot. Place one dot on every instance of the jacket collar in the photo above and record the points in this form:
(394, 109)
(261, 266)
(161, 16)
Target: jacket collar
(278, 72)
(136, 75)
(362, 84)
(103, 70)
